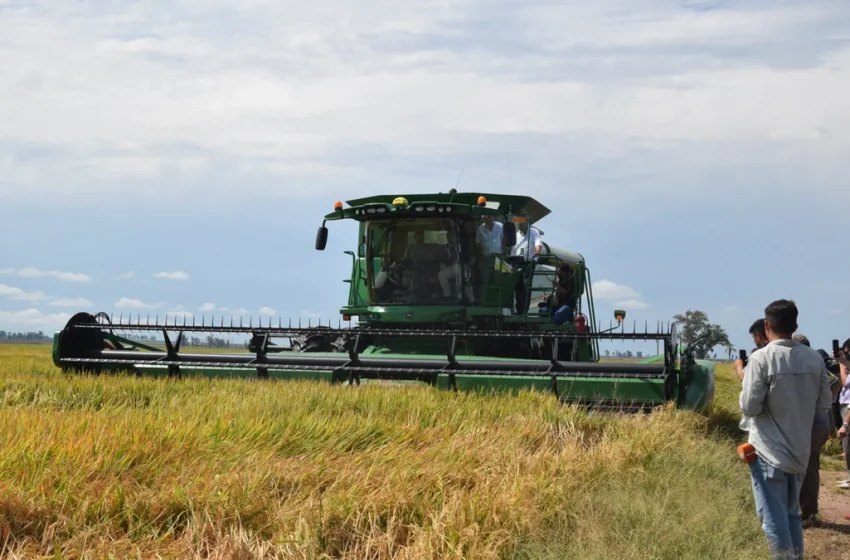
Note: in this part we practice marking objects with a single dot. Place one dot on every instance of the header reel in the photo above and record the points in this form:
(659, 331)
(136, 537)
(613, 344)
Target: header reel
(351, 354)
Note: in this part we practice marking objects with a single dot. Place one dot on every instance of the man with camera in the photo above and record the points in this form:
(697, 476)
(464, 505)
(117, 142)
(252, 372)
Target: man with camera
(759, 339)
(784, 384)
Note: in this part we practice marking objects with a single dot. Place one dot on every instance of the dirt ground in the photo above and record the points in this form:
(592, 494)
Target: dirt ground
(831, 539)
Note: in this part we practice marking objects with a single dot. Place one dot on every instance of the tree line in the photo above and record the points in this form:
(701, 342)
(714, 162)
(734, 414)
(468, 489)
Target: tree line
(210, 341)
(23, 336)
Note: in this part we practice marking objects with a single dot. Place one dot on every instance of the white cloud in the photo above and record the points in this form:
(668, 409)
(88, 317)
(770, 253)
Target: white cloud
(71, 302)
(180, 314)
(267, 311)
(31, 272)
(310, 314)
(179, 275)
(211, 307)
(127, 303)
(627, 304)
(18, 294)
(618, 295)
(607, 290)
(695, 89)
(125, 275)
(32, 318)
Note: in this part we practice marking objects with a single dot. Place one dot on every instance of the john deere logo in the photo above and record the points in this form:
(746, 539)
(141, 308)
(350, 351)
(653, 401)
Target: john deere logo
(409, 314)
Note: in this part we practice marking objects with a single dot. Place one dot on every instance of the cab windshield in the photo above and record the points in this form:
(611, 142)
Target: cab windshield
(418, 261)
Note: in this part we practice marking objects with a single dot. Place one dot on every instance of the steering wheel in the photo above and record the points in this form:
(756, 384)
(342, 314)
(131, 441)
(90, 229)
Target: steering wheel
(395, 274)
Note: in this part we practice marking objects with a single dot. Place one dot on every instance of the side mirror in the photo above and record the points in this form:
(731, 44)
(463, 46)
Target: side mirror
(619, 315)
(321, 238)
(509, 234)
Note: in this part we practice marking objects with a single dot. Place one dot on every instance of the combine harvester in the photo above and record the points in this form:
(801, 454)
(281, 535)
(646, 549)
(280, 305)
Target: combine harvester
(432, 308)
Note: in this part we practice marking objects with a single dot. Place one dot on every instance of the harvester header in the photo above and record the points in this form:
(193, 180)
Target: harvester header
(458, 290)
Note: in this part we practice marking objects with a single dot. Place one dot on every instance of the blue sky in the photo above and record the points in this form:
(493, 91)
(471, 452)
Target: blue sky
(694, 152)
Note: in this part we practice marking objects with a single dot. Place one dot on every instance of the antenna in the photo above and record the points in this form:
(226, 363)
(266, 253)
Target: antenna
(509, 168)
(458, 179)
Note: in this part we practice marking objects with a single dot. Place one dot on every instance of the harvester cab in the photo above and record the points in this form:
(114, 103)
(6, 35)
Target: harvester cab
(458, 290)
(442, 251)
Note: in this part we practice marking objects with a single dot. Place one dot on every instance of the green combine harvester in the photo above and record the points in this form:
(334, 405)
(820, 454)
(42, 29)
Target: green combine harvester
(435, 298)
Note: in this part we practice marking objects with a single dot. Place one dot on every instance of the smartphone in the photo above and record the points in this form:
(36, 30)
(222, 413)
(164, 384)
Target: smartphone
(743, 355)
(835, 348)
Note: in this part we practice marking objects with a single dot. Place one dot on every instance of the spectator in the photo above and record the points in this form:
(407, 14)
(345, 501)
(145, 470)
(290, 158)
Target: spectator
(842, 359)
(489, 237)
(821, 428)
(490, 242)
(759, 339)
(528, 246)
(758, 333)
(784, 384)
(844, 404)
(564, 294)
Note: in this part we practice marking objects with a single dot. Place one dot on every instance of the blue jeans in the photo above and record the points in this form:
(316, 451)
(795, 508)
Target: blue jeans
(777, 497)
(562, 315)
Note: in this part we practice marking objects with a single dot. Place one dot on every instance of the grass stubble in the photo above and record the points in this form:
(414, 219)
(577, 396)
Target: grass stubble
(126, 467)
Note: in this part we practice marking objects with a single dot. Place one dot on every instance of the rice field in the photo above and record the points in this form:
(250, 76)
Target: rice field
(125, 467)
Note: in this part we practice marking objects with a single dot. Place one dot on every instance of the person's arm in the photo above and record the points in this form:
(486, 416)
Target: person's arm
(842, 430)
(834, 384)
(538, 243)
(560, 290)
(754, 387)
(739, 367)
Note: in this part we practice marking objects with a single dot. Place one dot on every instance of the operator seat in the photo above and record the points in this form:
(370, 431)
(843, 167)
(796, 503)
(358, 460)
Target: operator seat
(425, 260)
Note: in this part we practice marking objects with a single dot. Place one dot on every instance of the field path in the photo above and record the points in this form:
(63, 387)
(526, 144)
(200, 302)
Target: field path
(830, 541)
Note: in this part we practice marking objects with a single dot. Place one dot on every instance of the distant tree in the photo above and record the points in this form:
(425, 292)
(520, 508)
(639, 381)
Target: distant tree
(607, 353)
(700, 335)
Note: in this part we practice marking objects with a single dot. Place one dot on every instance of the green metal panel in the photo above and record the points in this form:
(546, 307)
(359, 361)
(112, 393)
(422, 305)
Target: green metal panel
(578, 388)
(55, 353)
(700, 385)
(358, 295)
(570, 388)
